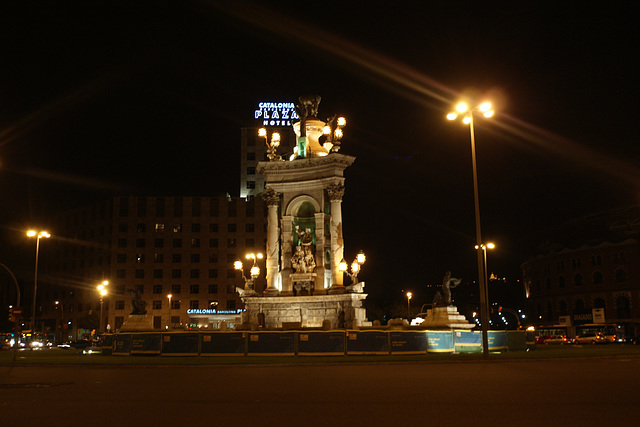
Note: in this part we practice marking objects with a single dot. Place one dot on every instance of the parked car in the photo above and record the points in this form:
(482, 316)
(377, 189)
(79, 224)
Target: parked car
(590, 338)
(80, 344)
(556, 339)
(542, 339)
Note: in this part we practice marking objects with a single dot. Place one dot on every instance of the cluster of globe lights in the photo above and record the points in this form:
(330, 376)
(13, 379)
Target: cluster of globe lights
(485, 108)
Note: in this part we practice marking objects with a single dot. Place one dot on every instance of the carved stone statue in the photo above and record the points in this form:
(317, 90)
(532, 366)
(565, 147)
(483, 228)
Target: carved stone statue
(309, 259)
(308, 106)
(138, 305)
(305, 236)
(303, 260)
(448, 283)
(297, 260)
(307, 109)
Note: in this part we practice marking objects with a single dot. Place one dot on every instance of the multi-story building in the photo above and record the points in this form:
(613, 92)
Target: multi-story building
(594, 264)
(177, 253)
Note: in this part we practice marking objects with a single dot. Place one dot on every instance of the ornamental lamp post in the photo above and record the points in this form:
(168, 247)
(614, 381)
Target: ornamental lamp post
(271, 146)
(254, 272)
(409, 295)
(486, 110)
(334, 133)
(356, 266)
(38, 235)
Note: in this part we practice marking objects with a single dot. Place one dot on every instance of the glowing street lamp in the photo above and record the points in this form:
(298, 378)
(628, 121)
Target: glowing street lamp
(409, 295)
(271, 146)
(38, 235)
(169, 296)
(59, 303)
(486, 110)
(102, 291)
(356, 266)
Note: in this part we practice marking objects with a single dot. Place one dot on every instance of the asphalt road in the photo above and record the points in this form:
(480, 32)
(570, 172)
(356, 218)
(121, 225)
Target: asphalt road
(582, 391)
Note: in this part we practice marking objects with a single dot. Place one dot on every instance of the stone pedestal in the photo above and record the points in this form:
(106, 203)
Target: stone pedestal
(138, 323)
(342, 311)
(303, 283)
(446, 318)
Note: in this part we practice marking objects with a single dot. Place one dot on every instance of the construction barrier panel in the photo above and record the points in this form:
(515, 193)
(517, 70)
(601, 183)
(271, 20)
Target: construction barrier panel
(367, 342)
(408, 342)
(145, 343)
(223, 344)
(440, 342)
(531, 340)
(497, 340)
(180, 344)
(107, 344)
(516, 340)
(468, 341)
(321, 343)
(312, 342)
(271, 344)
(121, 345)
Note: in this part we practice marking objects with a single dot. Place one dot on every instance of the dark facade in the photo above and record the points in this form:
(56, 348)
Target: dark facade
(179, 246)
(593, 263)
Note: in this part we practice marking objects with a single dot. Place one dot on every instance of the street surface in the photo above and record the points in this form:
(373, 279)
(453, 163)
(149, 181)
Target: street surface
(583, 391)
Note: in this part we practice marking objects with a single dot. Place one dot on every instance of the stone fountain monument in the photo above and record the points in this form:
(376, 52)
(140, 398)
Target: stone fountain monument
(305, 243)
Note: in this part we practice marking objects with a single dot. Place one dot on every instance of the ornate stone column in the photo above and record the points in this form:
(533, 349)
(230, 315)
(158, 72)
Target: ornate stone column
(272, 199)
(319, 255)
(286, 239)
(336, 192)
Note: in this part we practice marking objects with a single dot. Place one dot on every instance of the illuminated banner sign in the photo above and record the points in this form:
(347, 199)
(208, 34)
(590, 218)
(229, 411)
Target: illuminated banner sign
(276, 113)
(212, 311)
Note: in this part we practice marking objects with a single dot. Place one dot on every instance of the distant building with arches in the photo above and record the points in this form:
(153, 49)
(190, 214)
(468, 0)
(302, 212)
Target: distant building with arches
(592, 263)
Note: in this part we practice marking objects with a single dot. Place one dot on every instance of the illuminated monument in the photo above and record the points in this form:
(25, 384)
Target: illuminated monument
(305, 245)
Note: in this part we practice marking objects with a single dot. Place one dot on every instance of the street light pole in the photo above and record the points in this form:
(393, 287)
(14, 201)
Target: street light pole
(409, 295)
(485, 108)
(38, 235)
(169, 320)
(102, 290)
(59, 304)
(484, 315)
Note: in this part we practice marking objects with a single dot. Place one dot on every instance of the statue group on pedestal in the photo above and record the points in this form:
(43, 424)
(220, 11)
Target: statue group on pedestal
(303, 259)
(138, 305)
(444, 298)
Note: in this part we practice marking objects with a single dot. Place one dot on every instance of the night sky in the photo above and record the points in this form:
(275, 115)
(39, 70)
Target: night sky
(148, 98)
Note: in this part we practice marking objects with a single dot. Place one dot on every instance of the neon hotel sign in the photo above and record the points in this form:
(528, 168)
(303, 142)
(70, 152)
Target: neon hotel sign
(276, 113)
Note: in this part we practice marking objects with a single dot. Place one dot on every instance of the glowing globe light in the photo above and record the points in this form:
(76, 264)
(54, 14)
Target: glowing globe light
(462, 107)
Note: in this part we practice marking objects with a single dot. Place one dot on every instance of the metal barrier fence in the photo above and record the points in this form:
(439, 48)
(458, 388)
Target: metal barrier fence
(308, 342)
